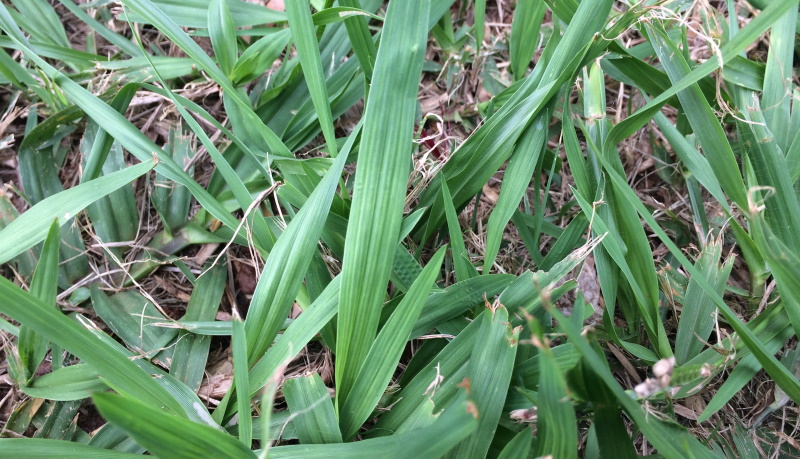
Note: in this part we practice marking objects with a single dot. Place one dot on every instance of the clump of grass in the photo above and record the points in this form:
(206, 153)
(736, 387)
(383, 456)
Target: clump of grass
(235, 231)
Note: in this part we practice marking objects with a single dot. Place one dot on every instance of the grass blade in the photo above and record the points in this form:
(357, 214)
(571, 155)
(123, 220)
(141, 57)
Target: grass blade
(44, 286)
(166, 435)
(310, 402)
(304, 34)
(31, 227)
(491, 365)
(383, 357)
(379, 194)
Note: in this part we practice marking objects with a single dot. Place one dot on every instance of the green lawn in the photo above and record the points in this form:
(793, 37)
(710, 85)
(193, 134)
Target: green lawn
(415, 228)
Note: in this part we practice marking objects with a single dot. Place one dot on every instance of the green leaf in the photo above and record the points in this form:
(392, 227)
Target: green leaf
(310, 403)
(519, 447)
(697, 315)
(74, 382)
(167, 435)
(240, 367)
(524, 38)
(40, 448)
(191, 351)
(464, 268)
(304, 35)
(490, 368)
(44, 286)
(223, 35)
(289, 260)
(454, 424)
(557, 432)
(379, 192)
(115, 367)
(515, 182)
(31, 227)
(384, 355)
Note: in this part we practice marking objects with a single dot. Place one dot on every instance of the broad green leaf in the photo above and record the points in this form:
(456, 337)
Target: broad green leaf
(44, 286)
(39, 448)
(31, 227)
(490, 367)
(166, 435)
(115, 367)
(314, 416)
(303, 33)
(384, 355)
(379, 190)
(454, 424)
(223, 35)
(191, 351)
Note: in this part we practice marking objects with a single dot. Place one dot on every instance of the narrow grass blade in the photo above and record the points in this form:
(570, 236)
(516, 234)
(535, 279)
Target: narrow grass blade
(74, 382)
(519, 447)
(454, 424)
(310, 402)
(524, 39)
(697, 315)
(778, 85)
(248, 122)
(113, 366)
(289, 260)
(464, 269)
(130, 316)
(304, 35)
(191, 351)
(778, 372)
(730, 50)
(44, 286)
(441, 375)
(360, 37)
(293, 340)
(39, 447)
(491, 365)
(125, 132)
(669, 441)
(193, 13)
(707, 128)
(384, 355)
(458, 298)
(114, 38)
(223, 35)
(240, 370)
(556, 433)
(379, 193)
(515, 182)
(479, 24)
(167, 435)
(31, 227)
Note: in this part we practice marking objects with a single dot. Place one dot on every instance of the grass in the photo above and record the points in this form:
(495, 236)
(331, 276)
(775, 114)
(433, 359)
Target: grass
(411, 229)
